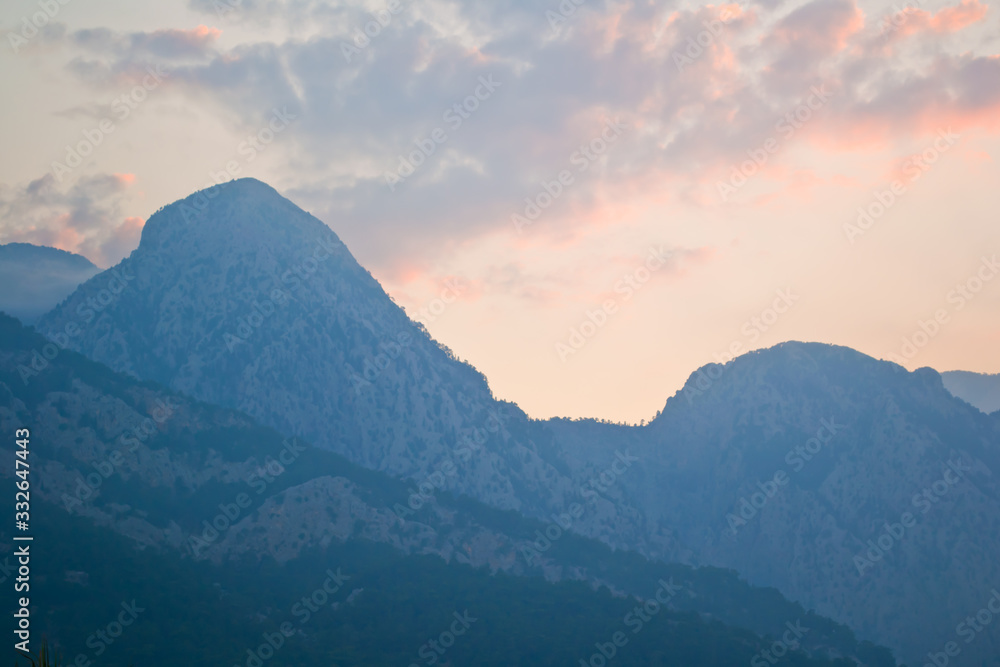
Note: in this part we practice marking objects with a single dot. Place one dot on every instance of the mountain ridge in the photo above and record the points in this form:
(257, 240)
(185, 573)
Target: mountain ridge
(45, 276)
(979, 389)
(337, 363)
(195, 462)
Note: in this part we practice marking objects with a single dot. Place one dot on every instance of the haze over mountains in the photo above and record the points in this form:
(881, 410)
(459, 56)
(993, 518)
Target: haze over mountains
(53, 275)
(787, 464)
(979, 389)
(796, 460)
(215, 526)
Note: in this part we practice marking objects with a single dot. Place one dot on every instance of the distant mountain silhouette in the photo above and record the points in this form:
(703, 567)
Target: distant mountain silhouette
(44, 276)
(978, 389)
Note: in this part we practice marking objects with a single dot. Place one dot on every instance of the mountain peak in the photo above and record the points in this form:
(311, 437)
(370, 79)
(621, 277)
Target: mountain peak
(243, 211)
(797, 369)
(237, 297)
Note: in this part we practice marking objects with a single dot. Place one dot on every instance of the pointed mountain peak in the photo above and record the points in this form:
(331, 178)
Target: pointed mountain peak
(219, 281)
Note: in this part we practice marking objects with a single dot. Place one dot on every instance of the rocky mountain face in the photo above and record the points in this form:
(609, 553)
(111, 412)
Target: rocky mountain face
(861, 490)
(979, 389)
(238, 298)
(44, 277)
(186, 480)
(117, 451)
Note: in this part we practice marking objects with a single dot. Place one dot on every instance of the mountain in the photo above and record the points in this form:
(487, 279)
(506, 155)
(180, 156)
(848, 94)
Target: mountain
(214, 532)
(855, 487)
(238, 298)
(978, 389)
(44, 277)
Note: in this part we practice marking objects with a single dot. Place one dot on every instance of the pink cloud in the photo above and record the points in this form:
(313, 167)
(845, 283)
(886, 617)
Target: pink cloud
(84, 218)
(822, 26)
(174, 42)
(913, 21)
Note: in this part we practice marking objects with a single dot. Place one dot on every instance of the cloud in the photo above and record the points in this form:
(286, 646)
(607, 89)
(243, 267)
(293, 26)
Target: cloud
(106, 58)
(359, 116)
(84, 218)
(819, 28)
(585, 281)
(811, 36)
(166, 44)
(961, 92)
(914, 21)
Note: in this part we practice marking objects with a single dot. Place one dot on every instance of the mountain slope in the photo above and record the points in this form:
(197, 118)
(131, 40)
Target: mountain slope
(202, 495)
(237, 297)
(790, 463)
(979, 389)
(43, 276)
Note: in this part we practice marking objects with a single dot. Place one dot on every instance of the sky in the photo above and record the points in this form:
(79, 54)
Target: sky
(586, 199)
